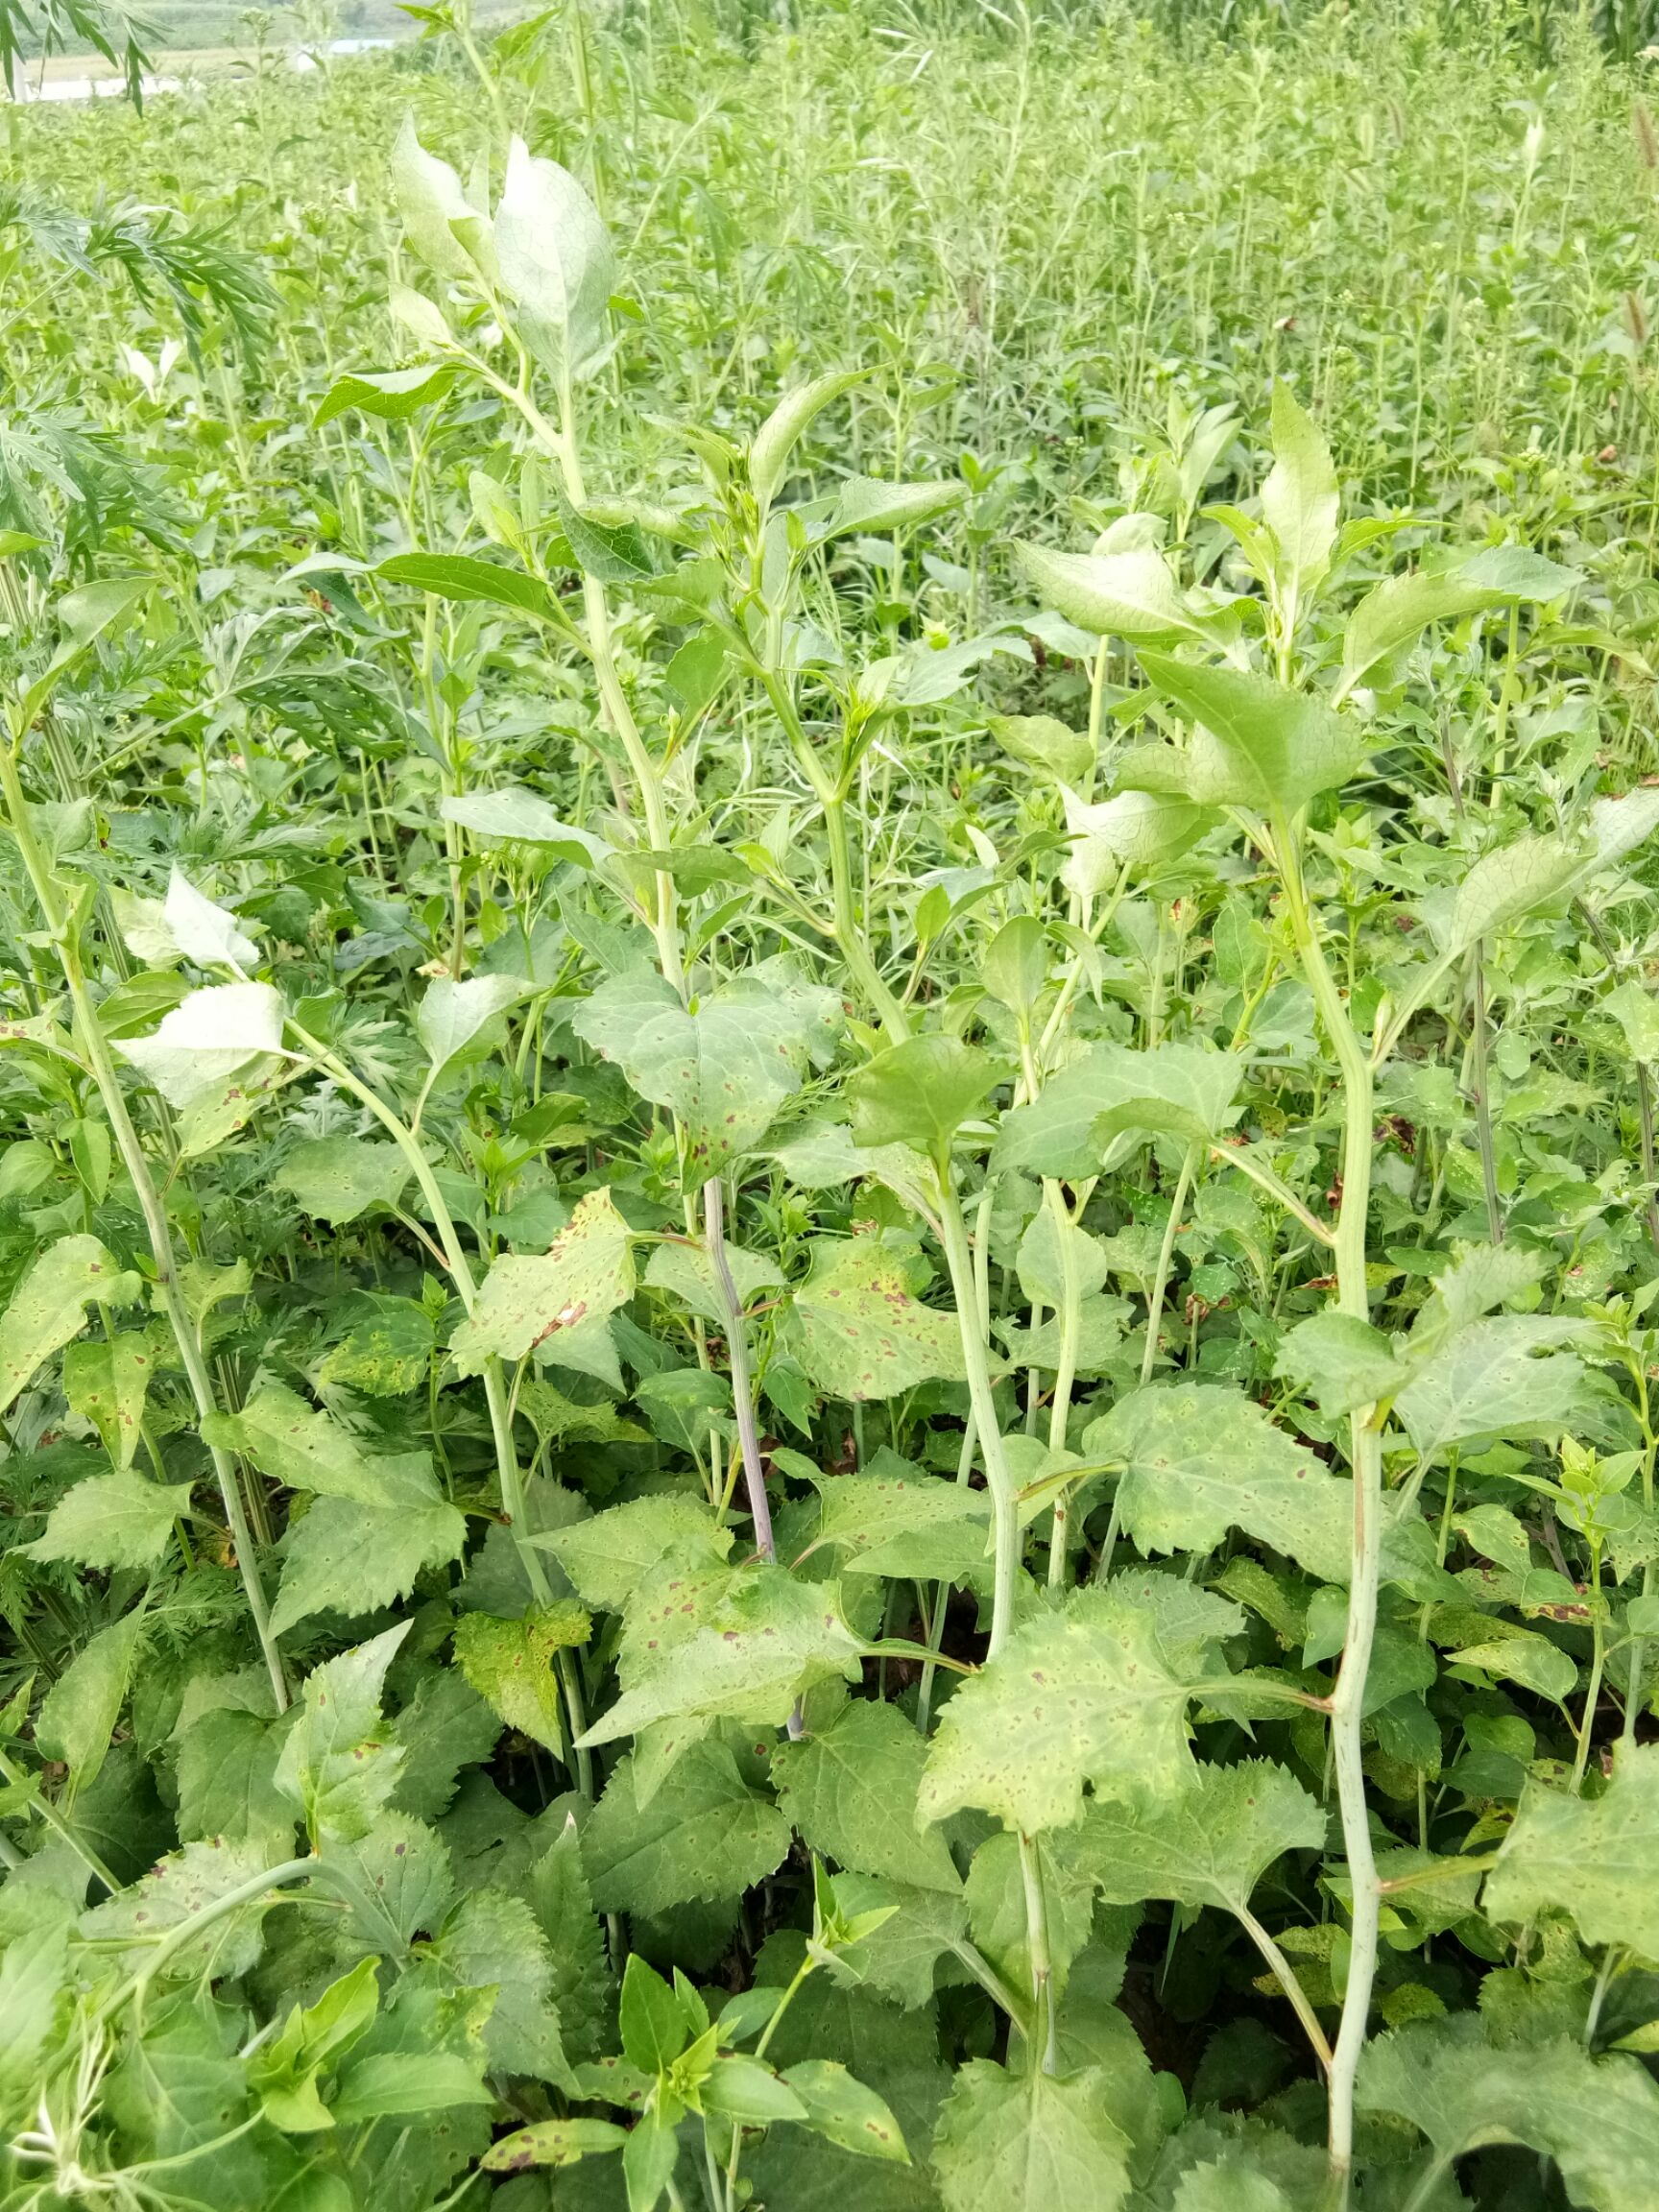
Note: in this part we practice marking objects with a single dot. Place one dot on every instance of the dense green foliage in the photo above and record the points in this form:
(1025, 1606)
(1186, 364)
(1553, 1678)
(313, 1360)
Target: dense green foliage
(829, 1222)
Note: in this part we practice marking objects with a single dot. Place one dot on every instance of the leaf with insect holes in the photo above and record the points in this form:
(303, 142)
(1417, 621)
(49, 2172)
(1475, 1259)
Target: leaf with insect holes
(1199, 1460)
(1209, 1847)
(1596, 2118)
(339, 1763)
(112, 1521)
(209, 1039)
(1591, 1858)
(706, 1832)
(1084, 1695)
(49, 1306)
(1130, 594)
(722, 1065)
(860, 1333)
(528, 1298)
(851, 1790)
(1184, 1091)
(1030, 2143)
(336, 1179)
(726, 1643)
(1256, 744)
(509, 1663)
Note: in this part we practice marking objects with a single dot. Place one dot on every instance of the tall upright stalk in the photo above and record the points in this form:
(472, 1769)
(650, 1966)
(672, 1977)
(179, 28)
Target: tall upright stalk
(1365, 1457)
(63, 930)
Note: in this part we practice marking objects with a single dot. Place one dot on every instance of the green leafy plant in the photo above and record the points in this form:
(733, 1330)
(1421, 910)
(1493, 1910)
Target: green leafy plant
(826, 1267)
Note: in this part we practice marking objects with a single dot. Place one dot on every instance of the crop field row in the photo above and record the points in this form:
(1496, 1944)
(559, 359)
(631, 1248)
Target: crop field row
(828, 1198)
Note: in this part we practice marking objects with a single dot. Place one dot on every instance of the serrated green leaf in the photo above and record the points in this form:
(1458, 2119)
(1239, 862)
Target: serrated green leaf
(345, 1556)
(1199, 1460)
(1011, 2142)
(112, 1521)
(1087, 1695)
(586, 1273)
(704, 1834)
(1211, 1846)
(339, 1763)
(49, 1307)
(851, 1790)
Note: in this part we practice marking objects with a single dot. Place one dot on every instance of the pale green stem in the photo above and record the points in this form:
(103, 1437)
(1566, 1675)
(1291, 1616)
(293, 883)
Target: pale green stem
(1065, 1375)
(1044, 2014)
(1365, 1455)
(1004, 1508)
(1166, 1260)
(1285, 1975)
(62, 929)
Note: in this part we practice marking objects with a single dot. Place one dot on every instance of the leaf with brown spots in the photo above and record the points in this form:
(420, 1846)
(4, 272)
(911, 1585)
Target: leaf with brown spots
(1211, 1846)
(49, 1306)
(860, 1333)
(530, 1298)
(737, 1643)
(1089, 1694)
(509, 1663)
(724, 1064)
(1199, 1460)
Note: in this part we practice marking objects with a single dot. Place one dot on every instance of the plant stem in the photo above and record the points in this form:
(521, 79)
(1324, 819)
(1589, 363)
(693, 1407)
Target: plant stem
(1004, 1508)
(1043, 2013)
(1365, 1457)
(64, 931)
(1065, 1375)
(736, 1345)
(1482, 1099)
(1287, 1979)
(1166, 1259)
